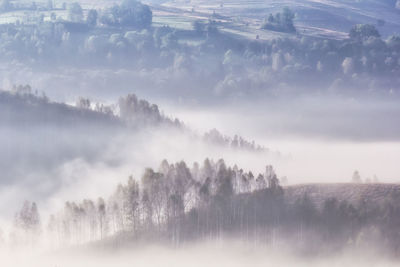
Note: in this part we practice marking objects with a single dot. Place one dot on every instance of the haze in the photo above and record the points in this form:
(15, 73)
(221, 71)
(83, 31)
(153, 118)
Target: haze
(251, 133)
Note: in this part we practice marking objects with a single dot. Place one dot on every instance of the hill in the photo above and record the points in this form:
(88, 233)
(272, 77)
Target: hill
(327, 19)
(27, 109)
(352, 193)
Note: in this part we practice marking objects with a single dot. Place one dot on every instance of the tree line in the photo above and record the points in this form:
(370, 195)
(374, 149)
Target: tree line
(177, 204)
(34, 108)
(162, 204)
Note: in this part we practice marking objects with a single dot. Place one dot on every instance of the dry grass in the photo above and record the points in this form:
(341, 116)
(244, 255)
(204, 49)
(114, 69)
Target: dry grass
(352, 193)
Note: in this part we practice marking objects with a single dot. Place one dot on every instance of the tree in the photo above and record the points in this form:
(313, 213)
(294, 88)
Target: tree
(271, 18)
(270, 176)
(131, 203)
(22, 89)
(53, 16)
(91, 18)
(212, 29)
(224, 180)
(306, 212)
(199, 26)
(35, 219)
(92, 222)
(75, 12)
(154, 196)
(260, 182)
(136, 112)
(361, 32)
(130, 13)
(175, 205)
(281, 22)
(176, 210)
(83, 103)
(27, 221)
(207, 170)
(287, 18)
(101, 211)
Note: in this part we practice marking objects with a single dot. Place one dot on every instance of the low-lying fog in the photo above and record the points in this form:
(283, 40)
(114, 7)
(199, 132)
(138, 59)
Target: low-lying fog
(221, 254)
(326, 139)
(316, 141)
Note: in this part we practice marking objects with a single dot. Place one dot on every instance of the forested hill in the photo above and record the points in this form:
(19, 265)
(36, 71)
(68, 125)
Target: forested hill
(26, 109)
(350, 192)
(179, 204)
(23, 108)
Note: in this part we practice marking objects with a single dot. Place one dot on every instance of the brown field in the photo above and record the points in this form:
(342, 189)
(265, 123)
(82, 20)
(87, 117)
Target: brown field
(352, 193)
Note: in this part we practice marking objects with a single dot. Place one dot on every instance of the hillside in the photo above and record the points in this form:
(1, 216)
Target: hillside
(352, 193)
(177, 205)
(27, 109)
(327, 19)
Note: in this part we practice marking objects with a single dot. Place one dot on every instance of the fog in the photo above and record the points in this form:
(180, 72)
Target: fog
(317, 133)
(211, 254)
(306, 155)
(94, 170)
(91, 160)
(199, 133)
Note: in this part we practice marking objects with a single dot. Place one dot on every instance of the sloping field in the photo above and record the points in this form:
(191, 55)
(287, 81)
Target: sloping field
(352, 193)
(319, 18)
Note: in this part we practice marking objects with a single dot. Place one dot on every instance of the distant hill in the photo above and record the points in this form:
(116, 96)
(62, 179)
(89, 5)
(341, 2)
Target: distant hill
(21, 108)
(26, 109)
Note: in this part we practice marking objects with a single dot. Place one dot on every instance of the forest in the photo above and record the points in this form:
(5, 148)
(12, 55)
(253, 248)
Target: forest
(178, 204)
(32, 109)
